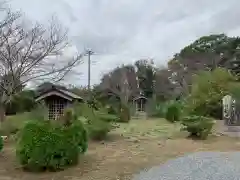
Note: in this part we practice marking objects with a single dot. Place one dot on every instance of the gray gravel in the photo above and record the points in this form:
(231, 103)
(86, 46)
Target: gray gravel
(197, 166)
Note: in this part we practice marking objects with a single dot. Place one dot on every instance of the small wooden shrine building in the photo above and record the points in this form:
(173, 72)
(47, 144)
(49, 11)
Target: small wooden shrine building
(56, 100)
(140, 103)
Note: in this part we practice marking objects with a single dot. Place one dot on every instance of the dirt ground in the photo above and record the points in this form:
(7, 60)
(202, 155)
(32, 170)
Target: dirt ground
(129, 149)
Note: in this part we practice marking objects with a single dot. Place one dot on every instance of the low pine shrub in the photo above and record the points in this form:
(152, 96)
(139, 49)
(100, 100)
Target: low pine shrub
(46, 146)
(198, 126)
(107, 117)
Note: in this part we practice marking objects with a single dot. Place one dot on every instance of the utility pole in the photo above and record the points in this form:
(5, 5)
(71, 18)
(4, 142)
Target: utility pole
(89, 53)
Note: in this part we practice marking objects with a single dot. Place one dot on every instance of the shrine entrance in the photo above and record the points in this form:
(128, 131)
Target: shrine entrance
(140, 103)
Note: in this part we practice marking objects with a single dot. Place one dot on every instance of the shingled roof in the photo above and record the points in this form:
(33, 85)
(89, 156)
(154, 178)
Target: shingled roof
(64, 93)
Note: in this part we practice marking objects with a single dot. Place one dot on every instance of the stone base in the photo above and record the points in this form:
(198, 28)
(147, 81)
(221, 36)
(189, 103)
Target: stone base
(232, 131)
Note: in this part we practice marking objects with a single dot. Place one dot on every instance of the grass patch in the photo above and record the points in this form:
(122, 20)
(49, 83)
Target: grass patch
(152, 128)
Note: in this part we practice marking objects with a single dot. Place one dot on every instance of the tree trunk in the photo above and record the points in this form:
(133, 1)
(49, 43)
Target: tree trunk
(124, 113)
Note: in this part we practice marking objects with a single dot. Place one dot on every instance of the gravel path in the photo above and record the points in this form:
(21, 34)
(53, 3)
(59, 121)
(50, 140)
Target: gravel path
(197, 166)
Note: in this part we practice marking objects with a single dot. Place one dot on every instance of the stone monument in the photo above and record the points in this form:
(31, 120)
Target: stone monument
(231, 115)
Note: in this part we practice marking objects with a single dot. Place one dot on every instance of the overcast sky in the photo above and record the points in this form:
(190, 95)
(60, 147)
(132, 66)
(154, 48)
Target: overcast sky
(122, 31)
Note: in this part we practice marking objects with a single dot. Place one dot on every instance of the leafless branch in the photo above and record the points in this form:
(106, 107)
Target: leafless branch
(31, 53)
(121, 82)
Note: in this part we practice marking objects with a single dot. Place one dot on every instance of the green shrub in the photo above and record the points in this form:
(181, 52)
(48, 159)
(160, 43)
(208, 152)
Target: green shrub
(46, 146)
(106, 117)
(87, 112)
(98, 122)
(198, 126)
(103, 114)
(68, 117)
(1, 143)
(160, 110)
(94, 103)
(173, 112)
(98, 129)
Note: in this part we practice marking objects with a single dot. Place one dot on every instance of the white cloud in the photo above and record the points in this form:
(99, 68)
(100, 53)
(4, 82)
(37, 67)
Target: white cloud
(122, 31)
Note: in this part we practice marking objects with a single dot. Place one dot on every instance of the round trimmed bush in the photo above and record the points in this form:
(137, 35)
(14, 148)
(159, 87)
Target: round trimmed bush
(46, 146)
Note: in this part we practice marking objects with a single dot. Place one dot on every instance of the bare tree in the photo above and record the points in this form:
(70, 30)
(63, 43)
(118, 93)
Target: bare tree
(164, 88)
(121, 83)
(30, 53)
